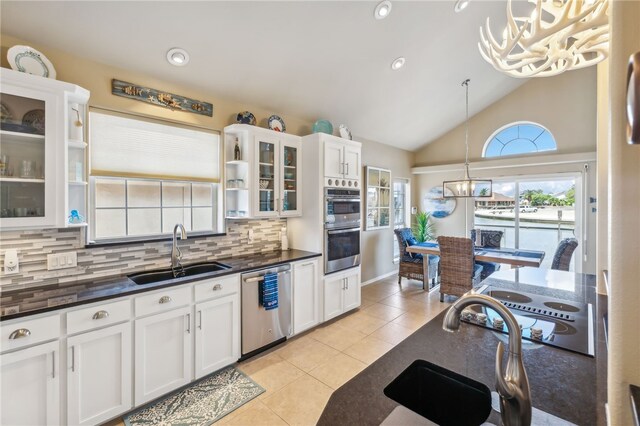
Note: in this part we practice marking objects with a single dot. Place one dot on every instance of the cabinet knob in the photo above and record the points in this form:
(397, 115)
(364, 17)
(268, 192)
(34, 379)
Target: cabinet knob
(217, 287)
(100, 315)
(19, 333)
(164, 299)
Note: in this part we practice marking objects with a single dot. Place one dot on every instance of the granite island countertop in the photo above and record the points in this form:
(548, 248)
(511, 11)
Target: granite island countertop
(35, 300)
(563, 383)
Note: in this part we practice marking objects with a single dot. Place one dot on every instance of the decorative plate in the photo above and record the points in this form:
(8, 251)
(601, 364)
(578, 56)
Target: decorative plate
(35, 119)
(436, 204)
(276, 123)
(5, 113)
(29, 60)
(323, 126)
(245, 117)
(344, 131)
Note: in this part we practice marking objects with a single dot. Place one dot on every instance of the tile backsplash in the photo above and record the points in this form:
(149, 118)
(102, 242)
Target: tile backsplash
(34, 245)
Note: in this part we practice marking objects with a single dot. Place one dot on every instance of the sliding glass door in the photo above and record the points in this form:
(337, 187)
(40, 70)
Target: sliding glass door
(533, 213)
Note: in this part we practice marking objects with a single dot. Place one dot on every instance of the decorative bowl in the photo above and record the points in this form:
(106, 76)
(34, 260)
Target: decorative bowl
(264, 184)
(323, 126)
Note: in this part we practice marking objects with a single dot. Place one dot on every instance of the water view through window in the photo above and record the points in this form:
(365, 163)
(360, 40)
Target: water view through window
(533, 215)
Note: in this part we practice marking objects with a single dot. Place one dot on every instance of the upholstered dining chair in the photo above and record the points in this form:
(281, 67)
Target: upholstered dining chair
(411, 265)
(458, 271)
(489, 238)
(564, 252)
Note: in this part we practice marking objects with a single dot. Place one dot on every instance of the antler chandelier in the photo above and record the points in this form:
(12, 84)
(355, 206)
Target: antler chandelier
(577, 36)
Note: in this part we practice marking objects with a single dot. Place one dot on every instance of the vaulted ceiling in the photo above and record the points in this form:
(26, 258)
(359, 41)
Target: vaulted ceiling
(311, 59)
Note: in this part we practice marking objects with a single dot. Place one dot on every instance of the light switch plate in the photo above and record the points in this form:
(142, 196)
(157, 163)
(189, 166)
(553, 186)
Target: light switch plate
(62, 260)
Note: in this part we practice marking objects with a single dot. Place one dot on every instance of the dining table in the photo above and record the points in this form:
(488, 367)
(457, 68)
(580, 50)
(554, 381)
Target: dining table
(510, 256)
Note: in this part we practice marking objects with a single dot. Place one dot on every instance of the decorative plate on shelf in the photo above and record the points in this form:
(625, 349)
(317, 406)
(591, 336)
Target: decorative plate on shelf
(344, 131)
(245, 117)
(35, 119)
(29, 60)
(276, 123)
(323, 126)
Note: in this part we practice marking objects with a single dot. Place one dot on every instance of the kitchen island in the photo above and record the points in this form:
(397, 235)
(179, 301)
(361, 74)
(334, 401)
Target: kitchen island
(563, 383)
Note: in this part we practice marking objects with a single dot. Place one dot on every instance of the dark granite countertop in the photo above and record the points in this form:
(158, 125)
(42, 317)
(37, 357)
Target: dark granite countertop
(562, 383)
(35, 300)
(635, 403)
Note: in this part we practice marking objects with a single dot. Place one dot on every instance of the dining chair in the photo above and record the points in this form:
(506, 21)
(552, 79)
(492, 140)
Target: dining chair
(458, 271)
(564, 252)
(411, 265)
(489, 238)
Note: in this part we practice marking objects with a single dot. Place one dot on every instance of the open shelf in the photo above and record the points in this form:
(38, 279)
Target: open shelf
(236, 162)
(8, 136)
(77, 225)
(77, 144)
(237, 189)
(20, 180)
(77, 183)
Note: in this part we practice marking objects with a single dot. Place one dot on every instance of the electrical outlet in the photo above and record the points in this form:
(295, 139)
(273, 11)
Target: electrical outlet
(11, 262)
(62, 260)
(10, 310)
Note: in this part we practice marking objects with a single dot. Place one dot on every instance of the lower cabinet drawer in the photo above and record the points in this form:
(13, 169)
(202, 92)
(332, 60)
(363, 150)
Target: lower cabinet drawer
(216, 287)
(162, 300)
(19, 333)
(98, 316)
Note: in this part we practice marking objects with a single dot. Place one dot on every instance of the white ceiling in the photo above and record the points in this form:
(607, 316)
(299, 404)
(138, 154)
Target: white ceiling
(310, 59)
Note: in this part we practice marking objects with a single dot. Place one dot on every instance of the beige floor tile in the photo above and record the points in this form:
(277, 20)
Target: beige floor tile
(337, 337)
(306, 353)
(364, 302)
(259, 362)
(404, 303)
(368, 349)
(271, 372)
(235, 413)
(258, 414)
(392, 333)
(360, 321)
(412, 320)
(379, 291)
(338, 370)
(385, 312)
(301, 402)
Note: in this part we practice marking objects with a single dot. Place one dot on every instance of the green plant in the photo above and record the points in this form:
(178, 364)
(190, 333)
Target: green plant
(423, 229)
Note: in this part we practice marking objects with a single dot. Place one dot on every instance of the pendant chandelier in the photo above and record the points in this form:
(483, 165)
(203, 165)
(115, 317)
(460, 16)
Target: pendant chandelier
(560, 35)
(467, 186)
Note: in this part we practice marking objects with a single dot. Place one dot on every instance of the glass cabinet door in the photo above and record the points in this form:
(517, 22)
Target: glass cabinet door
(23, 154)
(267, 183)
(290, 179)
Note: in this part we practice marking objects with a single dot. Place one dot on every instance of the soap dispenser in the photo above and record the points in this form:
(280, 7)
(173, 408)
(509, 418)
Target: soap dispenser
(284, 243)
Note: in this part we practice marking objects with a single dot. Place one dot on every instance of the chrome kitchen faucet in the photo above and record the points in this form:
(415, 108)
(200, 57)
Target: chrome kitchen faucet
(513, 386)
(176, 254)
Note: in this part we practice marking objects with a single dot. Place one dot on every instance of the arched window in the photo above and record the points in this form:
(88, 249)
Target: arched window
(519, 138)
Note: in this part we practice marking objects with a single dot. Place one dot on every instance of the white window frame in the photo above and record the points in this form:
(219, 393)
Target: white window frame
(518, 123)
(407, 212)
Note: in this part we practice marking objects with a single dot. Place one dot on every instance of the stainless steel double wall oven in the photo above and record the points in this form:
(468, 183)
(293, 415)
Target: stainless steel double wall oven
(342, 215)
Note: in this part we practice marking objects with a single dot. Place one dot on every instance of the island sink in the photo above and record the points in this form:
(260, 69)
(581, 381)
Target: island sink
(151, 277)
(442, 396)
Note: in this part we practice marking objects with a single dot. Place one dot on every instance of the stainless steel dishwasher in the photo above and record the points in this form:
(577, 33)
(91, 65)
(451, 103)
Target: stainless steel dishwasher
(263, 328)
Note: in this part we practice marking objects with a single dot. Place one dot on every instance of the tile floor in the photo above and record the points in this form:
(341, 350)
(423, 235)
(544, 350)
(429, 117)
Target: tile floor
(317, 362)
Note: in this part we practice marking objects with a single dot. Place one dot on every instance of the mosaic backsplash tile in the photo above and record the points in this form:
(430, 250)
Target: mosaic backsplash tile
(34, 245)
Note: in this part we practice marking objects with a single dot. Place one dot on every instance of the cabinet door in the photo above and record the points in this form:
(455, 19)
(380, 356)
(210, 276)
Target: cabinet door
(162, 353)
(31, 386)
(99, 375)
(217, 334)
(351, 292)
(333, 159)
(352, 162)
(333, 289)
(267, 200)
(28, 168)
(291, 174)
(305, 296)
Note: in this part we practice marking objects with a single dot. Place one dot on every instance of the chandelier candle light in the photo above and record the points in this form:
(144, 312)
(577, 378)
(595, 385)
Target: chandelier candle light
(467, 186)
(560, 35)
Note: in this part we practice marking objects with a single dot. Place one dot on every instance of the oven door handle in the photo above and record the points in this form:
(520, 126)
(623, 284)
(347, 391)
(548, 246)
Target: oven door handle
(351, 200)
(343, 231)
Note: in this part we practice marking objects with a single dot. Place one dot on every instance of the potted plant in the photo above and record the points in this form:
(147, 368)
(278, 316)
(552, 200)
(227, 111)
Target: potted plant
(423, 229)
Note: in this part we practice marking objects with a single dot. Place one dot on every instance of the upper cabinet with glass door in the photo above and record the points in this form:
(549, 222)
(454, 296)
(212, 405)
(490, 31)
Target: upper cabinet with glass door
(42, 159)
(262, 172)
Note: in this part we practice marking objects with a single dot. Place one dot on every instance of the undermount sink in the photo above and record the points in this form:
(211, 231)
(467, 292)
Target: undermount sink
(150, 277)
(442, 396)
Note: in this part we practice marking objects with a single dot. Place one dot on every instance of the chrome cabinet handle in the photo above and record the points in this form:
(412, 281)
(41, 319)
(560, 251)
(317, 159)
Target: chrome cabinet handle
(164, 299)
(217, 287)
(19, 333)
(282, 204)
(73, 358)
(307, 264)
(189, 323)
(347, 164)
(200, 322)
(100, 315)
(53, 364)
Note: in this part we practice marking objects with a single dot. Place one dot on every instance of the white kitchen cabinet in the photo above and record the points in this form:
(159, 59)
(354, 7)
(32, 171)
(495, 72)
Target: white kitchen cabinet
(30, 390)
(333, 159)
(217, 334)
(163, 353)
(352, 162)
(305, 295)
(341, 292)
(266, 180)
(342, 159)
(99, 374)
(42, 171)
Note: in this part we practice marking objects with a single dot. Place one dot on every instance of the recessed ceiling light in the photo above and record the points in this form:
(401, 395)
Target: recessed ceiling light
(382, 9)
(461, 5)
(178, 57)
(398, 63)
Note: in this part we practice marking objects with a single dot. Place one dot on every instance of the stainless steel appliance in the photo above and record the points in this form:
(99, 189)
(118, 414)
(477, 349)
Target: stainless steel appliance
(341, 208)
(261, 328)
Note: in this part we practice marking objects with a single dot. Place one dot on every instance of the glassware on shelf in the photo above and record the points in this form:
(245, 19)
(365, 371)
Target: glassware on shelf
(75, 217)
(27, 169)
(4, 165)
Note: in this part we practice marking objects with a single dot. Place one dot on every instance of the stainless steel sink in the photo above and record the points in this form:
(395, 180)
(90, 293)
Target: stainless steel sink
(167, 274)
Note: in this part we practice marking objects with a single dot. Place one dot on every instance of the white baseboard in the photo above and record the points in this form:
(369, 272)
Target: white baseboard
(372, 280)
